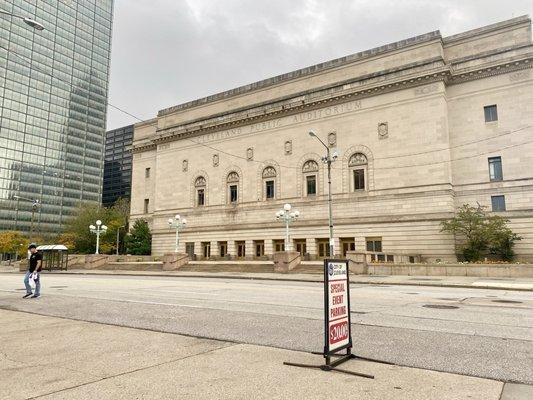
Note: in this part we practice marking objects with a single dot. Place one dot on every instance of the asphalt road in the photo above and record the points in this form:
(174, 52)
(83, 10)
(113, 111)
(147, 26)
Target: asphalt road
(476, 332)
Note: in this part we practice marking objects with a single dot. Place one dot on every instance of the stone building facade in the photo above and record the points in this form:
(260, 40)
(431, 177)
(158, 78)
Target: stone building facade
(420, 127)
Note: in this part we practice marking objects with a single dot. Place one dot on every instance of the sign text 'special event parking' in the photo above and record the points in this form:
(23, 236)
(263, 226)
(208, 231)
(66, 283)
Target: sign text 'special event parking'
(337, 311)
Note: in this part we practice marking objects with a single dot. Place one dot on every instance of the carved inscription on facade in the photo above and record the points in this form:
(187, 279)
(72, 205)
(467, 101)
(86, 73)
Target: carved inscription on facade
(281, 122)
(519, 75)
(426, 89)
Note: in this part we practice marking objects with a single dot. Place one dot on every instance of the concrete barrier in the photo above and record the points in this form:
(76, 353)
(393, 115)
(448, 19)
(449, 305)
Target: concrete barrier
(285, 261)
(476, 270)
(95, 261)
(358, 262)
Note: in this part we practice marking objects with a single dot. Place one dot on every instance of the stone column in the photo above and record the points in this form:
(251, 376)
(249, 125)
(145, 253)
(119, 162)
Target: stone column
(215, 253)
(250, 250)
(232, 250)
(198, 250)
(269, 248)
(310, 243)
(337, 248)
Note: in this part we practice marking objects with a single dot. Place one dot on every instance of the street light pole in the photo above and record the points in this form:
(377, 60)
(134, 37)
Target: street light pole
(118, 236)
(177, 223)
(34, 206)
(99, 229)
(328, 159)
(287, 216)
(28, 21)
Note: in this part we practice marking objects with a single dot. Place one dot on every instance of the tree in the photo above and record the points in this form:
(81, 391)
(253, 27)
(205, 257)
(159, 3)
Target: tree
(139, 240)
(480, 233)
(13, 243)
(77, 233)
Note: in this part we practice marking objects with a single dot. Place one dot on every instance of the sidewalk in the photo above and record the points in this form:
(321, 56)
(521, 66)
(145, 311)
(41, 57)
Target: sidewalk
(522, 284)
(54, 358)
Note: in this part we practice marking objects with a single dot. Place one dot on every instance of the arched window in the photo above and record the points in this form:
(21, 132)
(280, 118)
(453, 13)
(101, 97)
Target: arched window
(233, 187)
(200, 187)
(310, 177)
(269, 182)
(358, 165)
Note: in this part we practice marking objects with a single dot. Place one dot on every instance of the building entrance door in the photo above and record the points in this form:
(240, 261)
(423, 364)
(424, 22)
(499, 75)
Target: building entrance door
(189, 249)
(206, 249)
(323, 248)
(259, 248)
(347, 244)
(241, 249)
(223, 248)
(301, 246)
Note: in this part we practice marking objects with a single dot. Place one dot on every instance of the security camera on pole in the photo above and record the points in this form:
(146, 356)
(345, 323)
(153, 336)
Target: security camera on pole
(328, 159)
(175, 260)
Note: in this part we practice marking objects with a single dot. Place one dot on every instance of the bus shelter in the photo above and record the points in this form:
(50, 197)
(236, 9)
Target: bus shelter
(55, 256)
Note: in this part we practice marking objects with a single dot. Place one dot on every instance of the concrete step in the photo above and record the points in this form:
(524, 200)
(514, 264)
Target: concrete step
(229, 266)
(132, 266)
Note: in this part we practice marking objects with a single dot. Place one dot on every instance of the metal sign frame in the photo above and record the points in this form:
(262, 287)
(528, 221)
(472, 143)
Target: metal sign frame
(328, 352)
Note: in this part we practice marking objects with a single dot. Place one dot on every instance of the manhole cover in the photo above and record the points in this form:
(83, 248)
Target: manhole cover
(507, 301)
(57, 287)
(440, 306)
(410, 293)
(358, 312)
(449, 298)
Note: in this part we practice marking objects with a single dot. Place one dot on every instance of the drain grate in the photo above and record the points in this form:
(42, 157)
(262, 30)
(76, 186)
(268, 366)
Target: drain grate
(507, 301)
(440, 306)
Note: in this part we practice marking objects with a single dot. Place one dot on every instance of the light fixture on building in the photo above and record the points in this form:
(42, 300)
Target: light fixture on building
(328, 159)
(99, 229)
(28, 21)
(177, 223)
(287, 216)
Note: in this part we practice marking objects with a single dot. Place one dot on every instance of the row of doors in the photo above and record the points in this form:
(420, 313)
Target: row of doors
(347, 244)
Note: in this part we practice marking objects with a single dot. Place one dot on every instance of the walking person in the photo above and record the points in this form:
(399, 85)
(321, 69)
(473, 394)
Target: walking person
(34, 271)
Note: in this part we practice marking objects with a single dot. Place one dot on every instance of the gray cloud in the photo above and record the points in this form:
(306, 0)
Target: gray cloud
(166, 52)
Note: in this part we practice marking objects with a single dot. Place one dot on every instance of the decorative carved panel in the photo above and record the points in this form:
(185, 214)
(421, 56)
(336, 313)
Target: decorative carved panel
(310, 166)
(233, 177)
(357, 159)
(383, 130)
(269, 172)
(200, 182)
(250, 154)
(288, 147)
(185, 165)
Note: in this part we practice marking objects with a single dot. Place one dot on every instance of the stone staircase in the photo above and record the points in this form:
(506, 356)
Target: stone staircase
(229, 266)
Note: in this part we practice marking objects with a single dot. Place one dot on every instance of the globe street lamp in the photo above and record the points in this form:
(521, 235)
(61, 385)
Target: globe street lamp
(287, 216)
(328, 159)
(28, 21)
(177, 223)
(99, 229)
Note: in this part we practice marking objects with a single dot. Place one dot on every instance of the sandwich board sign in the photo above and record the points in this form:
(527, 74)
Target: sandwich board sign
(337, 307)
(337, 327)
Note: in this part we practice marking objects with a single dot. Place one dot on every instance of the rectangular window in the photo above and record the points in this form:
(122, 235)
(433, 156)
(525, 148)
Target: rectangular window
(201, 197)
(311, 185)
(189, 249)
(495, 169)
(374, 245)
(491, 113)
(359, 179)
(146, 205)
(498, 203)
(269, 189)
(147, 173)
(233, 193)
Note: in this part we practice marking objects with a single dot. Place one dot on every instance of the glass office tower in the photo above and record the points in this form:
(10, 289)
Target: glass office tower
(117, 166)
(53, 98)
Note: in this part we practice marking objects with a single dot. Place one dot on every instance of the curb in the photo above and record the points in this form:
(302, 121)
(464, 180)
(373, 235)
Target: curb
(300, 280)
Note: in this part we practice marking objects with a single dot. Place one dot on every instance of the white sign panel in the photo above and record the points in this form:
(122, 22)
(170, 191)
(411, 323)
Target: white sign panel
(338, 309)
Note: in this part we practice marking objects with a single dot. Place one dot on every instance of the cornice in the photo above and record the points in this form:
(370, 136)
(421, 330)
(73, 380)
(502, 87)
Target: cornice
(360, 88)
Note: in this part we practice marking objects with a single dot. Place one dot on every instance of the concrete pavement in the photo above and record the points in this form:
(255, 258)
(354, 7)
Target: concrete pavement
(522, 284)
(52, 358)
(483, 333)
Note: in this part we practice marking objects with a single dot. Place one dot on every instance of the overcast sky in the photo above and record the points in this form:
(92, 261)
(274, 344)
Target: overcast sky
(166, 52)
